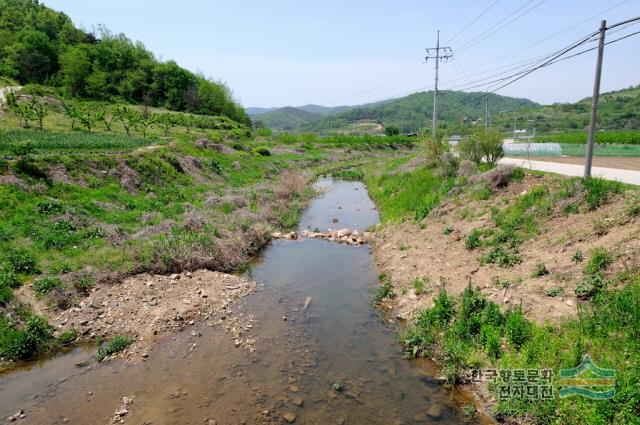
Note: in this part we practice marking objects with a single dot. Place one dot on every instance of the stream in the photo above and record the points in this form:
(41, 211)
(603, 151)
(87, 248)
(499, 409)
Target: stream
(333, 361)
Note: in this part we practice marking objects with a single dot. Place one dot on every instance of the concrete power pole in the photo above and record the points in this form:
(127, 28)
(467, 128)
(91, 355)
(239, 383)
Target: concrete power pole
(486, 111)
(446, 55)
(594, 102)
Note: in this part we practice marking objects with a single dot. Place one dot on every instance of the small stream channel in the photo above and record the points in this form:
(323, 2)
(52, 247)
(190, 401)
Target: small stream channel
(337, 338)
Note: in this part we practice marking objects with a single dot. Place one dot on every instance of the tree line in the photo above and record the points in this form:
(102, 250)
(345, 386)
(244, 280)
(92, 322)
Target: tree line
(41, 46)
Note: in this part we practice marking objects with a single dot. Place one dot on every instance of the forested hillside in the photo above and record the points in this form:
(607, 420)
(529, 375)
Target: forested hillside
(414, 112)
(41, 46)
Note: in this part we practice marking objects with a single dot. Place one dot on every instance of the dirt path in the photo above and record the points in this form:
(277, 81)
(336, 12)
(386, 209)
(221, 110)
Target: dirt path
(567, 169)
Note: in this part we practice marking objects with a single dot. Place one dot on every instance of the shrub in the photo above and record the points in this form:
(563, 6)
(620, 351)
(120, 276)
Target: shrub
(517, 328)
(23, 149)
(22, 261)
(419, 284)
(68, 337)
(599, 261)
(6, 295)
(539, 270)
(443, 308)
(19, 344)
(447, 165)
(384, 290)
(115, 345)
(83, 284)
(467, 168)
(484, 144)
(8, 277)
(263, 152)
(473, 240)
(47, 284)
(553, 291)
(577, 256)
(490, 338)
(590, 286)
(391, 130)
(502, 257)
(49, 207)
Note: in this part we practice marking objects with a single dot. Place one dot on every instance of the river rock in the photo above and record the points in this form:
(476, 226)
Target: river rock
(290, 417)
(435, 411)
(298, 401)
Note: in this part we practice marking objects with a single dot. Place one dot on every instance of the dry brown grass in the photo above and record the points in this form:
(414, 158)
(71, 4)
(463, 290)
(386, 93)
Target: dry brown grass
(292, 183)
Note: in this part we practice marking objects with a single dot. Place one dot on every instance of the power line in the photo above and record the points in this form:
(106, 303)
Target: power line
(488, 32)
(473, 21)
(556, 58)
(600, 13)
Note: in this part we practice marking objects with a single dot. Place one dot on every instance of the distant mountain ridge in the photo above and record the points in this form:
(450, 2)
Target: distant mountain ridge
(312, 108)
(457, 111)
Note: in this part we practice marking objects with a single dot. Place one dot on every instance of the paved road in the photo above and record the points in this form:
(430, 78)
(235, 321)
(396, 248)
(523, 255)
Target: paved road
(625, 176)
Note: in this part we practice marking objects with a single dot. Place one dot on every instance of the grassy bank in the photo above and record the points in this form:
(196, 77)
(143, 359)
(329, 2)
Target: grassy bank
(471, 329)
(81, 208)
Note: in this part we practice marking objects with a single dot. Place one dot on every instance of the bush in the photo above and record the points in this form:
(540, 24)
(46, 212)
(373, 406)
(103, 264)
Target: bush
(517, 328)
(47, 284)
(115, 345)
(447, 165)
(539, 270)
(6, 295)
(599, 261)
(49, 207)
(23, 149)
(590, 286)
(384, 290)
(263, 152)
(473, 240)
(502, 257)
(391, 130)
(68, 337)
(19, 344)
(22, 261)
(8, 277)
(484, 144)
(443, 309)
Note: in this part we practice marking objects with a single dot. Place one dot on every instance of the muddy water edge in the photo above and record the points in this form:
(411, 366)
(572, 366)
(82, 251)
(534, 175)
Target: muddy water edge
(321, 353)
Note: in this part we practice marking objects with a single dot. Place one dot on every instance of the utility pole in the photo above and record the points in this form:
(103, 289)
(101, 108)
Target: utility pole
(594, 102)
(486, 111)
(447, 54)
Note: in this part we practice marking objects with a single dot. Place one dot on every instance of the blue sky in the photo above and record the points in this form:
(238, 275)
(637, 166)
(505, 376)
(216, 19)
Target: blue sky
(282, 52)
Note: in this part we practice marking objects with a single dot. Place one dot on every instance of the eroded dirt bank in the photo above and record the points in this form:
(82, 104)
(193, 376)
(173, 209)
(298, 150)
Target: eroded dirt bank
(435, 250)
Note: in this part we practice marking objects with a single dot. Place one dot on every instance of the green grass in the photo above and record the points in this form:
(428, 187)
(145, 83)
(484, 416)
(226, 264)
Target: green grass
(113, 346)
(406, 194)
(72, 142)
(384, 290)
(630, 137)
(474, 332)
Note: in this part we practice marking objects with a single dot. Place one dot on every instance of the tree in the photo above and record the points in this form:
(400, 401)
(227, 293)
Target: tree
(89, 115)
(143, 121)
(38, 111)
(75, 67)
(20, 109)
(126, 116)
(491, 145)
(391, 130)
(166, 121)
(483, 144)
(70, 112)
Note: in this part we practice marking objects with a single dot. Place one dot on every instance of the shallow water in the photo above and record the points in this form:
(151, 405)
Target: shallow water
(337, 338)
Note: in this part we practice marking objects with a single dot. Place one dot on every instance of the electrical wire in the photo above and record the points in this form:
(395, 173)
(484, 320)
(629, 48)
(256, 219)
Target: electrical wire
(473, 21)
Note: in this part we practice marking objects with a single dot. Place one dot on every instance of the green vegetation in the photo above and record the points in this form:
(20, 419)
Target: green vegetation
(473, 332)
(23, 335)
(42, 47)
(384, 290)
(629, 137)
(113, 346)
(405, 194)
